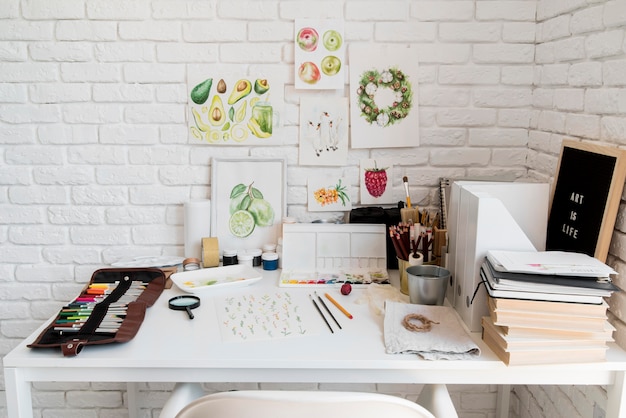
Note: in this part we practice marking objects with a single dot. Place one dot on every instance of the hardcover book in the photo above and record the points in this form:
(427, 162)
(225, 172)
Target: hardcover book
(541, 354)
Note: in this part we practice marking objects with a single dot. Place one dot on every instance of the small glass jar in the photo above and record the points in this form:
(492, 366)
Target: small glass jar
(190, 264)
(245, 258)
(256, 256)
(269, 248)
(270, 261)
(229, 258)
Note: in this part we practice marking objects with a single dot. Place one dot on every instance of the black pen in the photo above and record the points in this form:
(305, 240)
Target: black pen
(321, 314)
(328, 310)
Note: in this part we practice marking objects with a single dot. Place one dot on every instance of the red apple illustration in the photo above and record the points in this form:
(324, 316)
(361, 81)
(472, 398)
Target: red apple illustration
(307, 39)
(309, 72)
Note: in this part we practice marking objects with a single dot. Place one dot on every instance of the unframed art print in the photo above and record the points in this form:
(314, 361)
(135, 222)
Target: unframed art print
(227, 108)
(248, 199)
(383, 96)
(319, 54)
(267, 316)
(376, 181)
(327, 194)
(324, 129)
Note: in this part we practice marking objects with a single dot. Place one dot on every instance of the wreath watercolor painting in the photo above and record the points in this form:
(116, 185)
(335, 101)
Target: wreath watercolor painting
(383, 96)
(373, 82)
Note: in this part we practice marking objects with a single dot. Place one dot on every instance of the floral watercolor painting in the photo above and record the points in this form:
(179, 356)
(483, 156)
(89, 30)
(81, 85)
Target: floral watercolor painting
(230, 109)
(376, 181)
(327, 194)
(383, 96)
(319, 54)
(324, 127)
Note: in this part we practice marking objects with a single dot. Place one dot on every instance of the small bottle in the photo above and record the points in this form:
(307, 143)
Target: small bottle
(256, 256)
(190, 264)
(229, 258)
(270, 261)
(245, 258)
(269, 248)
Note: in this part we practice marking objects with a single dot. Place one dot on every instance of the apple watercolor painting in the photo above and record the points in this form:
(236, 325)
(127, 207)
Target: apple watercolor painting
(319, 54)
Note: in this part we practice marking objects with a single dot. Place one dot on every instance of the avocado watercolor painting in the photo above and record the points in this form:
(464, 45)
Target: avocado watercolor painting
(233, 110)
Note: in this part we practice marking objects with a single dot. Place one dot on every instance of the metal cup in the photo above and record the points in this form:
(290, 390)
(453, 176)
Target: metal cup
(427, 284)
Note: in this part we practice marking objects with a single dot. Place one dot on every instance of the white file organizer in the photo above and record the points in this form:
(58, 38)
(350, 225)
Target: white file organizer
(490, 216)
(328, 248)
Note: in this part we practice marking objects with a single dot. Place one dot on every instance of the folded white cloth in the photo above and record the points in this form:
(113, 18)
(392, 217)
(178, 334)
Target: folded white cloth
(446, 340)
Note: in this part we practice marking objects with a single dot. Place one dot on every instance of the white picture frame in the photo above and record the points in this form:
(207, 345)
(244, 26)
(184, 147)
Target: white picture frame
(268, 176)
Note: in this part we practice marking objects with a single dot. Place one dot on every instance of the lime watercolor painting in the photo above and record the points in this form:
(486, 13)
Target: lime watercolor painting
(249, 201)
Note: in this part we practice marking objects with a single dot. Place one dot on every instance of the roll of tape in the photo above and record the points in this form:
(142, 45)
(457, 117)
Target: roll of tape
(416, 259)
(210, 252)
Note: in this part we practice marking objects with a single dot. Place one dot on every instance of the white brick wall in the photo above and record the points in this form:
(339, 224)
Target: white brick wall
(95, 162)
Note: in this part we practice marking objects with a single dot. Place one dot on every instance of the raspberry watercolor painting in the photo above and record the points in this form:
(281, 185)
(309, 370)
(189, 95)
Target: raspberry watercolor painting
(376, 181)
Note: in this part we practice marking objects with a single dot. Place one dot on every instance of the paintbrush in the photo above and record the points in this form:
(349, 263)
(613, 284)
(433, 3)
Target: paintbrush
(406, 189)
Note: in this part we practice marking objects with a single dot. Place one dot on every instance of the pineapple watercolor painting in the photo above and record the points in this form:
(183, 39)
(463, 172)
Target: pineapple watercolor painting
(376, 181)
(327, 194)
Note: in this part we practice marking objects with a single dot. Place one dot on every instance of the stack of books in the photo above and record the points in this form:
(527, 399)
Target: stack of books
(546, 307)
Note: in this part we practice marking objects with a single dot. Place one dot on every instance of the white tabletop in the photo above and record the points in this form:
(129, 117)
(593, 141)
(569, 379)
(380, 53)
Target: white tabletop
(170, 347)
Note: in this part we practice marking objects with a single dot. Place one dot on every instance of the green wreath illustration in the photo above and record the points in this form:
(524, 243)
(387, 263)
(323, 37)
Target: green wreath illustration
(394, 79)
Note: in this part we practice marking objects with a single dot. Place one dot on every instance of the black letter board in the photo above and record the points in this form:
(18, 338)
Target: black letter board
(585, 200)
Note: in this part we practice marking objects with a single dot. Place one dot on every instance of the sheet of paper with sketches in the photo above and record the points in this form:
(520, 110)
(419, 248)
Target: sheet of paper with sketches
(549, 262)
(266, 316)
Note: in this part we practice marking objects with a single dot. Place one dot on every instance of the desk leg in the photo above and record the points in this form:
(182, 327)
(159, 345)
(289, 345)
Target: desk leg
(503, 403)
(18, 394)
(132, 394)
(616, 397)
(436, 399)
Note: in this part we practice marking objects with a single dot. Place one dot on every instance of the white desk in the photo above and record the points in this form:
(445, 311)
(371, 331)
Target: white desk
(171, 348)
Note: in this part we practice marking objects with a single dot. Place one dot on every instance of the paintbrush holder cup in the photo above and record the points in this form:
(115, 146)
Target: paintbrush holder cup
(404, 281)
(409, 215)
(403, 265)
(427, 284)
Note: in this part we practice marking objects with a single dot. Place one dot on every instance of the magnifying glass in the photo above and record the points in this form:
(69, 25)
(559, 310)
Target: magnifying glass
(184, 303)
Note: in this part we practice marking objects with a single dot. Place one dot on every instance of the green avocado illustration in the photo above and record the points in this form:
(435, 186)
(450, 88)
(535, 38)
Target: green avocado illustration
(243, 87)
(255, 128)
(261, 86)
(200, 93)
(217, 115)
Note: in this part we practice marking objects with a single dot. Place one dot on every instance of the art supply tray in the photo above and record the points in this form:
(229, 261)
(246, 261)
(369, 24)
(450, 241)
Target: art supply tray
(110, 308)
(357, 277)
(205, 280)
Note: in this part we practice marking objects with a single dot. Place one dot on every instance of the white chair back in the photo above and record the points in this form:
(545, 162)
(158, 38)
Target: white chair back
(301, 404)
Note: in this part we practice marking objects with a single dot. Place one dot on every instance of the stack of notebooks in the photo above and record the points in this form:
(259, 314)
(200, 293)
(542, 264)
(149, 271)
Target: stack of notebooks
(546, 307)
